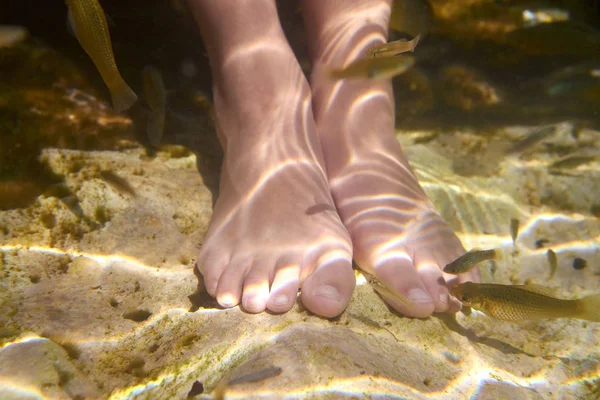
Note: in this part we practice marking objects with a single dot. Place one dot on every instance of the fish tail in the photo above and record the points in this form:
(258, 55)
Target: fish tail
(590, 308)
(122, 96)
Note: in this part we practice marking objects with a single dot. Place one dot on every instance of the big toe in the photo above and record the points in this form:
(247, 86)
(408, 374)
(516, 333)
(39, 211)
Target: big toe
(328, 290)
(400, 276)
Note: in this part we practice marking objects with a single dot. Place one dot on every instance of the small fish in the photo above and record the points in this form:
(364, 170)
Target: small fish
(155, 96)
(87, 19)
(467, 261)
(256, 376)
(530, 140)
(252, 377)
(117, 183)
(514, 229)
(385, 292)
(552, 260)
(11, 35)
(375, 68)
(571, 161)
(524, 302)
(394, 48)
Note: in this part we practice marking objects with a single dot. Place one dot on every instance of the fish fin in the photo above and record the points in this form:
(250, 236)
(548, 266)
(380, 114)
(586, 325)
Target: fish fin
(415, 42)
(122, 96)
(590, 308)
(539, 289)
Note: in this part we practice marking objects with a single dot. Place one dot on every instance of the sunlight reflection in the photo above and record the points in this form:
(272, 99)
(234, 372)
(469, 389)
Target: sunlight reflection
(227, 355)
(10, 390)
(389, 255)
(125, 262)
(245, 49)
(266, 177)
(155, 321)
(134, 391)
(333, 256)
(468, 384)
(27, 338)
(341, 33)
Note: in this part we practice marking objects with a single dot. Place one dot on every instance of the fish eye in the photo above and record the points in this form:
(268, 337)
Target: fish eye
(464, 298)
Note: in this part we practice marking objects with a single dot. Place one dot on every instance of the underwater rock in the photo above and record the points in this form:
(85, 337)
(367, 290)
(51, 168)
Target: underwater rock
(46, 101)
(34, 366)
(119, 294)
(99, 298)
(464, 89)
(413, 94)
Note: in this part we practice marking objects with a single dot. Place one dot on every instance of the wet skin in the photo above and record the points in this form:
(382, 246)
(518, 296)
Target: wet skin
(290, 147)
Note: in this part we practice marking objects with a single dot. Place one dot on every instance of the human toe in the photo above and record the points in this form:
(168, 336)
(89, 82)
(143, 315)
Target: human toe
(399, 275)
(328, 290)
(284, 289)
(229, 289)
(211, 266)
(256, 286)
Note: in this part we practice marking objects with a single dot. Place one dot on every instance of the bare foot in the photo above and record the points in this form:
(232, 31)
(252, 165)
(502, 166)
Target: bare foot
(396, 233)
(264, 242)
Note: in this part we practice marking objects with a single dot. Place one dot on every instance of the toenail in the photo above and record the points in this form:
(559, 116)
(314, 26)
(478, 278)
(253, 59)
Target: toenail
(327, 291)
(253, 303)
(280, 300)
(419, 296)
(227, 301)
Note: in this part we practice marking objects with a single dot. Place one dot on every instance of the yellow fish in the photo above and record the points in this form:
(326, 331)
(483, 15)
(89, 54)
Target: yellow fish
(87, 19)
(394, 48)
(469, 260)
(385, 292)
(375, 68)
(155, 96)
(524, 302)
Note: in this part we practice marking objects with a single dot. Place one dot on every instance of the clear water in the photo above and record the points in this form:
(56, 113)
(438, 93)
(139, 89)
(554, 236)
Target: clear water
(98, 297)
